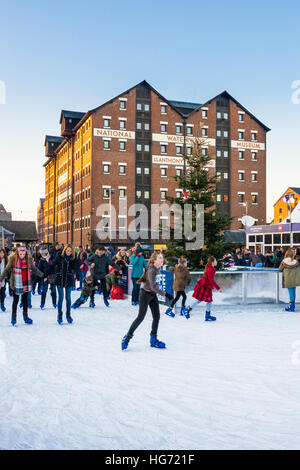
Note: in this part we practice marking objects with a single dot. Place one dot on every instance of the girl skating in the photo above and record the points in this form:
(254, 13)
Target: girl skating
(18, 270)
(290, 276)
(182, 279)
(65, 269)
(148, 298)
(204, 287)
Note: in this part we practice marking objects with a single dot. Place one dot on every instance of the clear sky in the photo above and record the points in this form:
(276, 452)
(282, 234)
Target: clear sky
(75, 55)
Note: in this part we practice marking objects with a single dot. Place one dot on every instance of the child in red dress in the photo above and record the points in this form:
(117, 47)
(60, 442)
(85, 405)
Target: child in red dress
(204, 287)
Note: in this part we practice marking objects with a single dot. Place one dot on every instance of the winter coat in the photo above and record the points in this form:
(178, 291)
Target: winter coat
(152, 283)
(81, 257)
(65, 270)
(182, 277)
(2, 267)
(8, 272)
(113, 278)
(87, 289)
(241, 262)
(102, 264)
(290, 273)
(204, 287)
(138, 265)
(45, 267)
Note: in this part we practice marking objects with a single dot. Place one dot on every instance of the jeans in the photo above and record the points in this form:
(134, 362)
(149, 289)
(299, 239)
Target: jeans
(68, 291)
(45, 286)
(82, 299)
(135, 289)
(102, 282)
(2, 296)
(147, 299)
(82, 276)
(16, 301)
(178, 295)
(197, 302)
(292, 293)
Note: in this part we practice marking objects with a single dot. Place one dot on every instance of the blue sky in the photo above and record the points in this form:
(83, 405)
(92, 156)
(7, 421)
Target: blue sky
(75, 55)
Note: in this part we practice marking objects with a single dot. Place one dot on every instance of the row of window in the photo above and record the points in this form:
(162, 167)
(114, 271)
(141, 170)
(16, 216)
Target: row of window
(85, 222)
(107, 193)
(242, 155)
(241, 198)
(84, 172)
(83, 150)
(82, 196)
(241, 176)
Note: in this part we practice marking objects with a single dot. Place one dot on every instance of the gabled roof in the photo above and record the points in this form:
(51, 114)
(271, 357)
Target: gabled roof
(296, 190)
(185, 108)
(23, 230)
(53, 138)
(70, 114)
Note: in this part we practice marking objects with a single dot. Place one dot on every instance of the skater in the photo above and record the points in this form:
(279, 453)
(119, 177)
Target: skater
(18, 270)
(138, 264)
(46, 268)
(83, 268)
(148, 298)
(204, 287)
(100, 263)
(290, 276)
(113, 277)
(182, 279)
(3, 263)
(87, 290)
(65, 270)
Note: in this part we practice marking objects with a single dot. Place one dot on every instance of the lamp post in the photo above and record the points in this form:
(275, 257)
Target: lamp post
(290, 199)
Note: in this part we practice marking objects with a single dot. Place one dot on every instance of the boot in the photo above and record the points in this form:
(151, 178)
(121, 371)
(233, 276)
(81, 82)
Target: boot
(59, 318)
(69, 318)
(170, 312)
(155, 343)
(208, 317)
(182, 311)
(13, 319)
(291, 307)
(186, 312)
(106, 302)
(125, 341)
(3, 308)
(27, 320)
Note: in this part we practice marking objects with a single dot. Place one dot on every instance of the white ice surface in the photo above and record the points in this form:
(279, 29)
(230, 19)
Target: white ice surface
(231, 384)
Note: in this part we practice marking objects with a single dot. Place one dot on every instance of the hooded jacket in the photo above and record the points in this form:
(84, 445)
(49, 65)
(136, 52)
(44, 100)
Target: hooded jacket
(182, 278)
(290, 273)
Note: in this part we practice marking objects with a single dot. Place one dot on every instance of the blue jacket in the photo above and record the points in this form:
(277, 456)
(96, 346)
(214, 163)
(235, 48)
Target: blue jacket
(138, 265)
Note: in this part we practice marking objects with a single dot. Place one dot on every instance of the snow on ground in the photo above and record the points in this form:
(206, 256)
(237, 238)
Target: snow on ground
(231, 384)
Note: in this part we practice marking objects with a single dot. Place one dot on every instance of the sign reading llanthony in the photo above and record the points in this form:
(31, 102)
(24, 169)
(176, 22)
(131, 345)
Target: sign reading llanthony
(172, 160)
(114, 133)
(241, 144)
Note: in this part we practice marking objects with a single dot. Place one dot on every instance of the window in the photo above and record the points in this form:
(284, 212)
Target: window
(178, 129)
(204, 151)
(178, 171)
(122, 124)
(225, 154)
(219, 198)
(189, 130)
(106, 169)
(138, 170)
(241, 155)
(219, 133)
(226, 134)
(163, 149)
(163, 195)
(163, 128)
(189, 150)
(138, 194)
(147, 107)
(178, 150)
(241, 176)
(254, 177)
(225, 197)
(163, 172)
(122, 169)
(241, 198)
(254, 198)
(106, 123)
(106, 144)
(139, 147)
(225, 115)
(147, 148)
(254, 156)
(122, 193)
(218, 176)
(225, 176)
(106, 192)
(219, 115)
(253, 135)
(241, 135)
(146, 194)
(204, 113)
(146, 171)
(204, 132)
(122, 222)
(139, 107)
(241, 117)
(219, 153)
(139, 125)
(122, 104)
(122, 145)
(163, 109)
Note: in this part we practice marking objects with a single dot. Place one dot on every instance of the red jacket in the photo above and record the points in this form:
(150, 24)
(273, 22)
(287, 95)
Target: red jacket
(204, 287)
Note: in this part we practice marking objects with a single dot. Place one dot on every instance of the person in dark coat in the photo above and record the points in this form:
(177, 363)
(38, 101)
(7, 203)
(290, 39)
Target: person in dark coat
(65, 269)
(87, 291)
(100, 263)
(240, 260)
(46, 267)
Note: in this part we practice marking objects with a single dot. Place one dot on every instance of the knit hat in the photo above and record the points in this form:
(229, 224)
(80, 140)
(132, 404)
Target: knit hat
(139, 249)
(44, 251)
(21, 248)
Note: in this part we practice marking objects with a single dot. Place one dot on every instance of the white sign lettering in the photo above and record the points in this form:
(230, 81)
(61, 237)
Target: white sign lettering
(115, 133)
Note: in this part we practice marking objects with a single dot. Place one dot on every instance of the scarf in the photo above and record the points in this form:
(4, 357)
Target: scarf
(22, 277)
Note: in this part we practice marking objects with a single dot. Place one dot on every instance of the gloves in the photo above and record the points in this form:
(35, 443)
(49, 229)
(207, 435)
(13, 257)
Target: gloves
(169, 296)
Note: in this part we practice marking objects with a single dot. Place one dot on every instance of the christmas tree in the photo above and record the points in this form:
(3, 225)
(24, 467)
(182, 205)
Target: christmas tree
(199, 187)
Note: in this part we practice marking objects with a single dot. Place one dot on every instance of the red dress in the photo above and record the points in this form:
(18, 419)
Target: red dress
(204, 287)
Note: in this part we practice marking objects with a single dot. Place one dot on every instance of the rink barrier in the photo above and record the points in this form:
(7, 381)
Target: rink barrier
(247, 280)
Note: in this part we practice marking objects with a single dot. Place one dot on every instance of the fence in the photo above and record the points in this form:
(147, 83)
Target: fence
(239, 286)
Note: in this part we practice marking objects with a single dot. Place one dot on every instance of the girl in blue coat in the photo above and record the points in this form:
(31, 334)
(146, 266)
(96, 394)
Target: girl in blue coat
(138, 264)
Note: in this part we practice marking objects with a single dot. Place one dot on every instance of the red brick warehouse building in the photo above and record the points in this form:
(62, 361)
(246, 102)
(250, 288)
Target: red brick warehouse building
(130, 148)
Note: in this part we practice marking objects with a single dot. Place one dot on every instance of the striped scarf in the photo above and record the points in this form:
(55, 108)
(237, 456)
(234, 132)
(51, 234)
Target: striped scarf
(22, 277)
